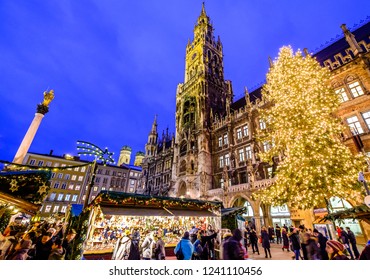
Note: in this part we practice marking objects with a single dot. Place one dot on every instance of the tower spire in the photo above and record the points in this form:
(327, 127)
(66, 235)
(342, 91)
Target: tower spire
(203, 10)
(154, 125)
(350, 38)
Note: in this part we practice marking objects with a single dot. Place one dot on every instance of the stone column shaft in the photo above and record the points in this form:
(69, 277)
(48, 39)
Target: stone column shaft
(28, 138)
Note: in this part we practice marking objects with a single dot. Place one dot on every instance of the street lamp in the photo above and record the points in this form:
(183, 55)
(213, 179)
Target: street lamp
(89, 149)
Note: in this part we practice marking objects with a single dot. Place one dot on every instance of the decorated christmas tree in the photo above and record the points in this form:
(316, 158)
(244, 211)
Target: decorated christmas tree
(303, 132)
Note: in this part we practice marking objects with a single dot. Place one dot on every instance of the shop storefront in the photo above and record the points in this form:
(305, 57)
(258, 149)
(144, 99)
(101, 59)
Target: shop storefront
(342, 214)
(280, 215)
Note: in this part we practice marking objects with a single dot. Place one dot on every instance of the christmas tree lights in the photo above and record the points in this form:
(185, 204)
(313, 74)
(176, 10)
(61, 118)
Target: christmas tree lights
(303, 131)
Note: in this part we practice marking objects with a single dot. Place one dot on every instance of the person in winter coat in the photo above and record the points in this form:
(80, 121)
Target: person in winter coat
(198, 249)
(365, 254)
(204, 242)
(254, 241)
(148, 246)
(211, 243)
(296, 244)
(352, 240)
(134, 247)
(68, 242)
(225, 238)
(7, 242)
(186, 246)
(271, 234)
(284, 233)
(265, 241)
(159, 250)
(313, 251)
(57, 250)
(301, 232)
(322, 244)
(43, 247)
(122, 248)
(278, 234)
(233, 248)
(21, 250)
(335, 250)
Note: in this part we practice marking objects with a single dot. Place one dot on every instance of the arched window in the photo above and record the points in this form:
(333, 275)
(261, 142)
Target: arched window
(249, 215)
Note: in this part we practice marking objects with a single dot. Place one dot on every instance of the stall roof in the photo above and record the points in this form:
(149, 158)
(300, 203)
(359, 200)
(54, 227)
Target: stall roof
(359, 212)
(120, 203)
(30, 185)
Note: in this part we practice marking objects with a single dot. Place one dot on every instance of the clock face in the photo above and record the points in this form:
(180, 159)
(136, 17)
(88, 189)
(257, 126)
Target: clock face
(194, 55)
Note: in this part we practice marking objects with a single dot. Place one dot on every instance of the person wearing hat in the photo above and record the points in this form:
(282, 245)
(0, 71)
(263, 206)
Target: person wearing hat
(186, 246)
(122, 248)
(335, 250)
(147, 246)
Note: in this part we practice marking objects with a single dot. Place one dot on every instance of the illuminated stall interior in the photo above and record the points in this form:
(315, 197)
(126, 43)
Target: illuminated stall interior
(115, 213)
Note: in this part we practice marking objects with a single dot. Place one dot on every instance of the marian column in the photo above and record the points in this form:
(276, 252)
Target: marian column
(42, 109)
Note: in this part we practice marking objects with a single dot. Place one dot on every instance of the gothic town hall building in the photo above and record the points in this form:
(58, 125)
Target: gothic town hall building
(214, 154)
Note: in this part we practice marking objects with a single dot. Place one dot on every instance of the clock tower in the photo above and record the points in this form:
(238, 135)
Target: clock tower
(203, 95)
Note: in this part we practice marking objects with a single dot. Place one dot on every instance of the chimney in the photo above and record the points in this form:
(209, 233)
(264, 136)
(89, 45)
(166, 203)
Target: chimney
(51, 152)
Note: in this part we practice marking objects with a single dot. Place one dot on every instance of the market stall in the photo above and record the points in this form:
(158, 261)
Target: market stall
(113, 213)
(21, 195)
(232, 218)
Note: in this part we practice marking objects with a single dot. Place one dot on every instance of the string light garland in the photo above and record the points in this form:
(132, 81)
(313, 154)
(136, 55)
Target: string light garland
(31, 185)
(90, 149)
(132, 200)
(303, 132)
(46, 168)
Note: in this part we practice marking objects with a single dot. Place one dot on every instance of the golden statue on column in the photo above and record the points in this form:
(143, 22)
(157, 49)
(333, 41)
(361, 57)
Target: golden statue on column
(48, 97)
(41, 110)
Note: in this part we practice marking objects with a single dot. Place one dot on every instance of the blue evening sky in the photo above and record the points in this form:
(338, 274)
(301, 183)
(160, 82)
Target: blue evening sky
(114, 64)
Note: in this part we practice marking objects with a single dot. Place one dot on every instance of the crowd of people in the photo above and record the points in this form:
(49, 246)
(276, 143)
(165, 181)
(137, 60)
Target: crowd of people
(42, 241)
(306, 244)
(195, 244)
